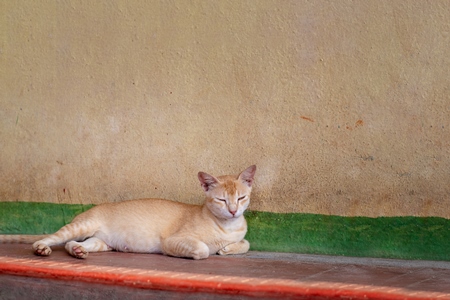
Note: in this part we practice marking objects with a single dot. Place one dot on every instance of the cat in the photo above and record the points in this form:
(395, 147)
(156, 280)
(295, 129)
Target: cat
(160, 226)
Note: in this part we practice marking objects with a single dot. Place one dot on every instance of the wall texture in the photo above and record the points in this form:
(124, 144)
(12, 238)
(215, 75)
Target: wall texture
(343, 105)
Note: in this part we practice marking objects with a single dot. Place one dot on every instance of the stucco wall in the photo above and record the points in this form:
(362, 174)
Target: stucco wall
(343, 105)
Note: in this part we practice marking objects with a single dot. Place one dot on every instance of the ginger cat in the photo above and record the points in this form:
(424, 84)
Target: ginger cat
(160, 226)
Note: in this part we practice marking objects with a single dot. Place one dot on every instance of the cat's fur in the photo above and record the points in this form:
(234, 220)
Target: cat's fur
(160, 226)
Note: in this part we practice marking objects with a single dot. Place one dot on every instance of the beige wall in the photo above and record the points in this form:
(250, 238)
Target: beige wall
(343, 105)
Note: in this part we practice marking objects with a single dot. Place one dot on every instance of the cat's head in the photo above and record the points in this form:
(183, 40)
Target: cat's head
(228, 196)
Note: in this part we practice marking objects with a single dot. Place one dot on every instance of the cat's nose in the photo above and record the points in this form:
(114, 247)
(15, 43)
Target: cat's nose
(233, 212)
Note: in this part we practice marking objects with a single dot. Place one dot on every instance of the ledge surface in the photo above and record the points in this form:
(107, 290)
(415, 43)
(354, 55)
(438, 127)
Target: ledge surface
(256, 274)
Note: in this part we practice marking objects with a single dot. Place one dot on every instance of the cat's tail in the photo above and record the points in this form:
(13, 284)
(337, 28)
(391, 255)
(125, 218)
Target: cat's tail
(20, 239)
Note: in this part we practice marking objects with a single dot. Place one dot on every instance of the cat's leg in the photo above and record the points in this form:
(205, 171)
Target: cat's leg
(240, 247)
(74, 231)
(82, 249)
(185, 247)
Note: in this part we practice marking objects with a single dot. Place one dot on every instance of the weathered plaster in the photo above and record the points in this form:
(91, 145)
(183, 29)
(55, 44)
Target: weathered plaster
(343, 105)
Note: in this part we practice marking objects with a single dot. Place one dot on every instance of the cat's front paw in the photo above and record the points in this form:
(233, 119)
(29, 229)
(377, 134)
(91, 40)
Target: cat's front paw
(41, 249)
(235, 248)
(201, 253)
(223, 251)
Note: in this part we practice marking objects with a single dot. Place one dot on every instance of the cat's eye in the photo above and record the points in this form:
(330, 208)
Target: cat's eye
(241, 198)
(223, 200)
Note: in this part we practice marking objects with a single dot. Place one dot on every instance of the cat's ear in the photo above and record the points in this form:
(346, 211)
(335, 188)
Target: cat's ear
(247, 175)
(207, 181)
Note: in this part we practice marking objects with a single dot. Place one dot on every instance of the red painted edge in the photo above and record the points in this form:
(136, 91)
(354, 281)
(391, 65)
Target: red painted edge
(192, 285)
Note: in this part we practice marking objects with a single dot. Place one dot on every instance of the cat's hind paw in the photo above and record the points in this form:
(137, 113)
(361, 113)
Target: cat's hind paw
(76, 250)
(42, 249)
(79, 252)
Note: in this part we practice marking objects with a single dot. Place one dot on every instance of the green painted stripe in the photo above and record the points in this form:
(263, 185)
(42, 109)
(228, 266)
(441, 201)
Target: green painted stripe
(36, 218)
(389, 237)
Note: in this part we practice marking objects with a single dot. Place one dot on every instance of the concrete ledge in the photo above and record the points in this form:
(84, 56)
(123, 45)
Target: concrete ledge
(261, 275)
